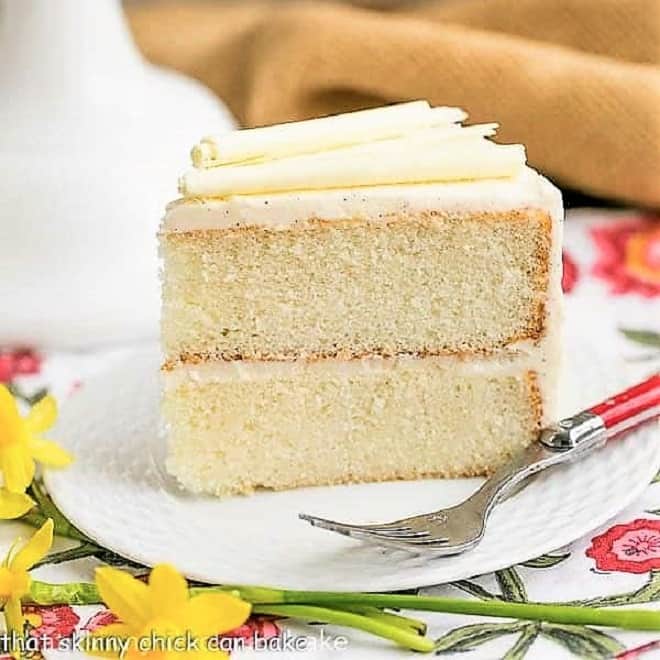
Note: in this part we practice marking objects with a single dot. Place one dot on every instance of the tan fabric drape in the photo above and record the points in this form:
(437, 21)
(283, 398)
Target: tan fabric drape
(577, 81)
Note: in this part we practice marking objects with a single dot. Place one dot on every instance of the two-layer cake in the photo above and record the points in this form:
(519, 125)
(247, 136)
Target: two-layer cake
(362, 297)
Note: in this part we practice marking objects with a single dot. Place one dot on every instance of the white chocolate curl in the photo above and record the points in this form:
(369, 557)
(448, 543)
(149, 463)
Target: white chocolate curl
(407, 143)
(316, 135)
(409, 161)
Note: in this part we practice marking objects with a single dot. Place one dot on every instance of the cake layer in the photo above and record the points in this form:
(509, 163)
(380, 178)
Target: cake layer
(424, 283)
(235, 427)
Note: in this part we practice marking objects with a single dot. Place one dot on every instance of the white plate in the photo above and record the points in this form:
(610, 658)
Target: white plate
(118, 493)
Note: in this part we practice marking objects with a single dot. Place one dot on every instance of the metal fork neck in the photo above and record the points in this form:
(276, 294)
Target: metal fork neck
(584, 429)
(570, 438)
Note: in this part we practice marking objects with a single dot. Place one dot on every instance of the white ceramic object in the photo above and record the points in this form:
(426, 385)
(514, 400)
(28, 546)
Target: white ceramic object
(135, 509)
(92, 142)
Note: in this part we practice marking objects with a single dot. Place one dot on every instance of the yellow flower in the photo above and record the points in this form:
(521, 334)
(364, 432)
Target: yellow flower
(21, 444)
(15, 579)
(158, 616)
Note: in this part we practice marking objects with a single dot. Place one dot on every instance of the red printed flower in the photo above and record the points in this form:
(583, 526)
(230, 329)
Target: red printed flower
(571, 273)
(100, 619)
(629, 256)
(21, 362)
(261, 627)
(53, 623)
(630, 548)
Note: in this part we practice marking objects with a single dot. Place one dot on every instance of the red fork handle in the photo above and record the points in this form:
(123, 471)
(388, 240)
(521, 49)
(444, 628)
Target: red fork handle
(629, 409)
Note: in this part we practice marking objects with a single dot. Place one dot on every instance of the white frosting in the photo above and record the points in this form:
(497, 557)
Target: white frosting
(541, 359)
(509, 362)
(550, 369)
(284, 210)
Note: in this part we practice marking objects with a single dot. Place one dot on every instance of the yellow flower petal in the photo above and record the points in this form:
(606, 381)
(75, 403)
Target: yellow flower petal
(215, 613)
(49, 453)
(14, 616)
(6, 583)
(11, 552)
(127, 597)
(10, 420)
(35, 549)
(13, 505)
(168, 592)
(42, 415)
(17, 467)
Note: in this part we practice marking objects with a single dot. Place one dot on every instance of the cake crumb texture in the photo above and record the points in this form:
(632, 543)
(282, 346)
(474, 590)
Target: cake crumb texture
(424, 284)
(325, 427)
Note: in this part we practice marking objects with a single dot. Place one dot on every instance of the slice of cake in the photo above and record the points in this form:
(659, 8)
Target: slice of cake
(363, 297)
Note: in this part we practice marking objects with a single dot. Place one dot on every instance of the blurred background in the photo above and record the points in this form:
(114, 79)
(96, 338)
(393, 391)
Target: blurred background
(101, 102)
(575, 80)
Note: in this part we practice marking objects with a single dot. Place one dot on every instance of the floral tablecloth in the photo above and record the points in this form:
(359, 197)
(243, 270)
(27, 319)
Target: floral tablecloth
(612, 265)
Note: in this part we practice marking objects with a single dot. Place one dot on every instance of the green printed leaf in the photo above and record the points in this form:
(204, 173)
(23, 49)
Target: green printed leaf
(656, 479)
(645, 337)
(470, 637)
(546, 561)
(651, 590)
(47, 509)
(519, 650)
(582, 641)
(29, 399)
(511, 585)
(653, 512)
(85, 550)
(474, 589)
(79, 552)
(649, 593)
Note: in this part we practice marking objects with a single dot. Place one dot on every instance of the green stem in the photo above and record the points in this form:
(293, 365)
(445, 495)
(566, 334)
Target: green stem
(403, 622)
(615, 618)
(402, 630)
(311, 613)
(265, 595)
(73, 593)
(45, 594)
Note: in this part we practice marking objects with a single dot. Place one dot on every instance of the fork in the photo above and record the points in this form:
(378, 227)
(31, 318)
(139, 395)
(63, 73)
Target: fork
(460, 527)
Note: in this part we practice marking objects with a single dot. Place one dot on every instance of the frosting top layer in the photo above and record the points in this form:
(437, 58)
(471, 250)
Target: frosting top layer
(284, 210)
(400, 144)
